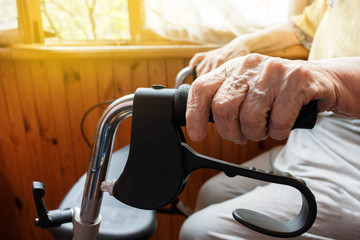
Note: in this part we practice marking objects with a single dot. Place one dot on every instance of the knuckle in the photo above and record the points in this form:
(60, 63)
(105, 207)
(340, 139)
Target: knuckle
(191, 110)
(253, 58)
(298, 75)
(299, 83)
(253, 123)
(199, 83)
(199, 55)
(272, 72)
(221, 108)
(274, 65)
(251, 117)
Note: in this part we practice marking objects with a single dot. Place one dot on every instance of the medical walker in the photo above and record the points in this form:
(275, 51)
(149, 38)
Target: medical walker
(158, 165)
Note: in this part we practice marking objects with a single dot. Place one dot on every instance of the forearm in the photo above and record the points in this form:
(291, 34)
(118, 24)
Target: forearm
(270, 39)
(266, 40)
(345, 75)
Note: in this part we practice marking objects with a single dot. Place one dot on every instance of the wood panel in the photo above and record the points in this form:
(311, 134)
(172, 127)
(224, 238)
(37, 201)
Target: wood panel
(15, 211)
(42, 102)
(122, 84)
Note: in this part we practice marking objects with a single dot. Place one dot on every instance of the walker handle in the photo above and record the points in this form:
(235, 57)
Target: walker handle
(160, 163)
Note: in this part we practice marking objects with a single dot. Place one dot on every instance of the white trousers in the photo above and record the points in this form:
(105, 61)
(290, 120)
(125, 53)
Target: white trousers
(327, 158)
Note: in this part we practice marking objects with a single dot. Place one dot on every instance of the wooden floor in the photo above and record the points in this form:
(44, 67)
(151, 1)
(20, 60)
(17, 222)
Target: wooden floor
(42, 101)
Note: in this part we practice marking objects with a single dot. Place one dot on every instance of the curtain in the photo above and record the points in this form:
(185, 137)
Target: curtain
(212, 21)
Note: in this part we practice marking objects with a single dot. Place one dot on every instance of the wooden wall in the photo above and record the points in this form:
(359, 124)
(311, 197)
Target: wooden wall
(42, 101)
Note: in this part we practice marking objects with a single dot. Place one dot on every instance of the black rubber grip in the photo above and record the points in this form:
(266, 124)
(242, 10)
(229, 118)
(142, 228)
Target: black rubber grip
(305, 120)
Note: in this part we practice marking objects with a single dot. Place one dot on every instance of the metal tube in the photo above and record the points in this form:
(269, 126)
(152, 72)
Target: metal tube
(100, 156)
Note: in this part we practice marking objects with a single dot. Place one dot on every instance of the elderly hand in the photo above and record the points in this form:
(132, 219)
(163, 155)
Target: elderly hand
(246, 91)
(269, 39)
(210, 60)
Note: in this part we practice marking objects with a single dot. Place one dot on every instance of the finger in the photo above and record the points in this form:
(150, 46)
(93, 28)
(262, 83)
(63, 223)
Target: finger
(253, 117)
(207, 65)
(254, 112)
(199, 101)
(226, 108)
(218, 63)
(230, 97)
(297, 89)
(200, 68)
(196, 59)
(205, 68)
(283, 115)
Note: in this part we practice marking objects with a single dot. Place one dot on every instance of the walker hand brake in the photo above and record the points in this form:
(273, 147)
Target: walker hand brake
(160, 163)
(48, 219)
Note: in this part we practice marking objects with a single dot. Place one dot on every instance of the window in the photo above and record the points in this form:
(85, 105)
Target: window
(86, 19)
(134, 21)
(212, 21)
(8, 22)
(8, 14)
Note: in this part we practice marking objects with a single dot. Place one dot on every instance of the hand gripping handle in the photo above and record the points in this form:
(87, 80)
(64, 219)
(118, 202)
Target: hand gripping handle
(305, 120)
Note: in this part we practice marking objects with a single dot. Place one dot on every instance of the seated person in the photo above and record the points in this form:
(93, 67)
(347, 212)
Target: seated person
(243, 91)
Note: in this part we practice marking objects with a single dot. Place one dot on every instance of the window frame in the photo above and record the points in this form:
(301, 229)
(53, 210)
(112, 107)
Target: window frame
(137, 22)
(29, 21)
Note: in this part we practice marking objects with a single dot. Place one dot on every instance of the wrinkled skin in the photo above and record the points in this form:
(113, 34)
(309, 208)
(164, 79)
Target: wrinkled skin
(245, 90)
(207, 61)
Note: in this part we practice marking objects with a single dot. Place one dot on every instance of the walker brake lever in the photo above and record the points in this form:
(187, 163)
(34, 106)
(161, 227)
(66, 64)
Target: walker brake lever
(48, 219)
(160, 163)
(251, 219)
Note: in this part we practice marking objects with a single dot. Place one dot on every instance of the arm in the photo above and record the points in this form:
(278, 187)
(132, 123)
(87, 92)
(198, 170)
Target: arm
(345, 75)
(269, 39)
(246, 91)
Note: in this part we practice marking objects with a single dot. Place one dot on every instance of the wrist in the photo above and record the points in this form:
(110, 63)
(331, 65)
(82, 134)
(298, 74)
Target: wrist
(237, 47)
(270, 39)
(245, 42)
(343, 74)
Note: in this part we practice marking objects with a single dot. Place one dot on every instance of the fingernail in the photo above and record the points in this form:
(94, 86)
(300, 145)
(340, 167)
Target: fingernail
(242, 141)
(194, 134)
